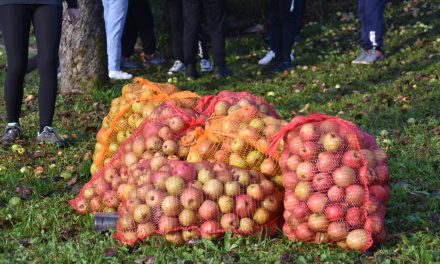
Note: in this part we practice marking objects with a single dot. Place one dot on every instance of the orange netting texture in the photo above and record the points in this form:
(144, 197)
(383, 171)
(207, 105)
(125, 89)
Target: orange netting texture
(336, 182)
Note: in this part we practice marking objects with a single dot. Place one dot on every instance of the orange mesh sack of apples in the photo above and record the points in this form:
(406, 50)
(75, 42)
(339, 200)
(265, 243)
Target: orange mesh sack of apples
(159, 138)
(227, 102)
(240, 139)
(336, 182)
(127, 112)
(185, 201)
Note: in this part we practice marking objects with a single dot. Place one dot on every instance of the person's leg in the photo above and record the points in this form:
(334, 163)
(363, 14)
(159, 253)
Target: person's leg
(145, 24)
(298, 14)
(203, 44)
(374, 22)
(365, 41)
(275, 28)
(32, 64)
(216, 14)
(115, 19)
(191, 21)
(287, 22)
(129, 35)
(176, 21)
(47, 20)
(16, 22)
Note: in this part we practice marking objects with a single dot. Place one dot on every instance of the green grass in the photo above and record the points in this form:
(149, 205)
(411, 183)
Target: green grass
(44, 229)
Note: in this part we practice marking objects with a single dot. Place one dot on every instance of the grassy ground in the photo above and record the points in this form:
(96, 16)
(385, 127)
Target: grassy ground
(397, 101)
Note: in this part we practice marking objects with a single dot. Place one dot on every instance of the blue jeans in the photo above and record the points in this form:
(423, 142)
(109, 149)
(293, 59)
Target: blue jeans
(115, 12)
(372, 23)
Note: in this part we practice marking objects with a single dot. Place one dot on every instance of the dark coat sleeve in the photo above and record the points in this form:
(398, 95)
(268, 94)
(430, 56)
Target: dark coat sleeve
(72, 3)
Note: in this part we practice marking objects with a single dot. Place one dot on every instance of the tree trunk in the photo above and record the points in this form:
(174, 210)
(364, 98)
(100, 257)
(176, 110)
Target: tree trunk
(83, 55)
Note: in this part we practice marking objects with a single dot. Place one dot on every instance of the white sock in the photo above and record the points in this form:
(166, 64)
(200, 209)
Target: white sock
(13, 124)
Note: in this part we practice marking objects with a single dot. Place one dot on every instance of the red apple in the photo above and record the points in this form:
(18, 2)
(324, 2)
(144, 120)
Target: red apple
(171, 206)
(294, 145)
(210, 230)
(355, 216)
(336, 194)
(176, 124)
(334, 212)
(374, 224)
(290, 180)
(328, 126)
(302, 232)
(352, 159)
(293, 162)
(379, 192)
(354, 195)
(301, 211)
(328, 162)
(145, 230)
(209, 210)
(382, 174)
(317, 202)
(305, 171)
(230, 221)
(213, 188)
(318, 222)
(321, 182)
(154, 198)
(268, 186)
(109, 199)
(244, 206)
(167, 224)
(337, 231)
(290, 200)
(268, 167)
(187, 217)
(191, 198)
(309, 150)
(126, 222)
(309, 132)
(344, 176)
(358, 240)
(255, 191)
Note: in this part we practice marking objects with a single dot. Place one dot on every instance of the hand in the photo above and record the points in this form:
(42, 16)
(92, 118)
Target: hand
(73, 15)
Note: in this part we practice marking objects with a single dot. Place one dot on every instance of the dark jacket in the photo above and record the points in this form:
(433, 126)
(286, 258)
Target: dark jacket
(70, 3)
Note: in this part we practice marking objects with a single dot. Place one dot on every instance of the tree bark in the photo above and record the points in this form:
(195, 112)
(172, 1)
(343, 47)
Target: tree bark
(83, 55)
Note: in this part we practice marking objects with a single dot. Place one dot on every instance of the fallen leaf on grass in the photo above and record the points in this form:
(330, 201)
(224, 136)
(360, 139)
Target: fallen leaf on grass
(110, 252)
(37, 154)
(23, 192)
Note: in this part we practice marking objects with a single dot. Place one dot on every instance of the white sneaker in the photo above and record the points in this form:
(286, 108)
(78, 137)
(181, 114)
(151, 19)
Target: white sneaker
(205, 65)
(270, 55)
(292, 56)
(177, 67)
(119, 75)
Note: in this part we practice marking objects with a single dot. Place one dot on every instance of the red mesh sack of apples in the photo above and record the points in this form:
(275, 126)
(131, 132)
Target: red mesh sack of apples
(128, 112)
(336, 182)
(240, 139)
(185, 201)
(227, 102)
(158, 138)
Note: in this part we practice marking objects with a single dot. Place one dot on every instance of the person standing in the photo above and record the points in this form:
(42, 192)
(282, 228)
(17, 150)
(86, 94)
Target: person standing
(115, 12)
(372, 28)
(16, 17)
(139, 21)
(176, 21)
(297, 25)
(215, 11)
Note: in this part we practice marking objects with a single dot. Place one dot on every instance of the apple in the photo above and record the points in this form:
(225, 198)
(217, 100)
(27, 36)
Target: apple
(308, 132)
(154, 198)
(262, 144)
(174, 185)
(290, 180)
(167, 224)
(336, 194)
(237, 161)
(328, 162)
(262, 108)
(302, 232)
(176, 124)
(187, 217)
(157, 162)
(334, 212)
(303, 190)
(174, 237)
(224, 176)
(226, 204)
(257, 123)
(205, 175)
(337, 231)
(352, 159)
(268, 167)
(354, 195)
(268, 186)
(230, 222)
(255, 191)
(321, 182)
(89, 193)
(110, 174)
(209, 210)
(380, 192)
(332, 142)
(305, 171)
(244, 206)
(247, 225)
(318, 222)
(232, 188)
(294, 145)
(380, 155)
(309, 150)
(194, 156)
(138, 146)
(221, 155)
(145, 230)
(165, 133)
(213, 188)
(229, 126)
(271, 204)
(182, 151)
(254, 157)
(243, 177)
(191, 198)
(169, 147)
(355, 216)
(358, 239)
(95, 204)
(153, 144)
(317, 202)
(328, 126)
(344, 176)
(142, 213)
(131, 204)
(211, 230)
(247, 112)
(109, 199)
(189, 235)
(290, 200)
(271, 130)
(126, 222)
(171, 206)
(159, 179)
(238, 145)
(371, 205)
(261, 216)
(374, 224)
(382, 174)
(221, 108)
(369, 156)
(101, 186)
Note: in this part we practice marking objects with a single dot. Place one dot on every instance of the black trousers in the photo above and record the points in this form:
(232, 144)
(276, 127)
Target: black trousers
(175, 8)
(139, 20)
(16, 20)
(282, 25)
(192, 17)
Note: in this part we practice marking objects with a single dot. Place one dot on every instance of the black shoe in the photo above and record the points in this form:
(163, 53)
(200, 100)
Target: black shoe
(11, 134)
(51, 137)
(221, 72)
(281, 67)
(191, 72)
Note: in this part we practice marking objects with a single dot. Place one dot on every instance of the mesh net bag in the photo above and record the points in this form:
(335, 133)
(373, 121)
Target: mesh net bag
(240, 139)
(336, 182)
(127, 112)
(227, 102)
(158, 139)
(185, 201)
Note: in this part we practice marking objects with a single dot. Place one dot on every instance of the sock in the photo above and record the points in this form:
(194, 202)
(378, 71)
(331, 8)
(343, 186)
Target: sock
(13, 124)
